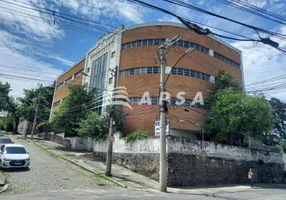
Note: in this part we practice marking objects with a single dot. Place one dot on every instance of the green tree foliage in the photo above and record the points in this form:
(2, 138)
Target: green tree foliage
(4, 96)
(73, 110)
(279, 113)
(27, 106)
(93, 126)
(233, 113)
(44, 127)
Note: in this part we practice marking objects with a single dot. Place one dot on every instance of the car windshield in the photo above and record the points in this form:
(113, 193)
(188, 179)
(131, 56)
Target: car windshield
(5, 141)
(15, 150)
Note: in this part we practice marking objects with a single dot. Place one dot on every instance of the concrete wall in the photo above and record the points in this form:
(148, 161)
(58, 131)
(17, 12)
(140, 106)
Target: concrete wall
(24, 126)
(191, 163)
(74, 143)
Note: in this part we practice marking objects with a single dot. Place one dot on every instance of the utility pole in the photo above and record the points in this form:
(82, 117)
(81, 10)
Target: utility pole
(110, 134)
(36, 113)
(163, 166)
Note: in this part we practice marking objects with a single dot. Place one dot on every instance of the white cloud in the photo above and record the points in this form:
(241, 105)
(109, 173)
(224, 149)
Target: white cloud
(262, 62)
(14, 63)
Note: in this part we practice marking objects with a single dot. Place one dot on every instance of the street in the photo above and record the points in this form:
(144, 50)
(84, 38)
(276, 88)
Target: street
(48, 172)
(50, 177)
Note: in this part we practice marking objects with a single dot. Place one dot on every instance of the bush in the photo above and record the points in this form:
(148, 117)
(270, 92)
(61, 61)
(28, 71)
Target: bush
(136, 135)
(44, 127)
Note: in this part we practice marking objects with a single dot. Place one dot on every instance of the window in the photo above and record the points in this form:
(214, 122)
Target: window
(193, 73)
(60, 85)
(186, 72)
(149, 70)
(186, 44)
(150, 42)
(127, 45)
(162, 41)
(154, 100)
(156, 42)
(144, 70)
(155, 70)
(69, 80)
(77, 74)
(139, 43)
(131, 71)
(144, 42)
(180, 43)
(136, 71)
(198, 74)
(174, 71)
(110, 80)
(88, 69)
(113, 54)
(180, 71)
(133, 44)
(226, 60)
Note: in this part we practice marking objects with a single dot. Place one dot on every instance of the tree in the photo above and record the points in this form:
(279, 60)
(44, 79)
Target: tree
(93, 126)
(279, 113)
(4, 96)
(234, 114)
(27, 106)
(73, 110)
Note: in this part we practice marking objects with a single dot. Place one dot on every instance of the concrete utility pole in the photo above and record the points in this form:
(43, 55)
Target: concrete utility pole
(163, 166)
(36, 113)
(110, 134)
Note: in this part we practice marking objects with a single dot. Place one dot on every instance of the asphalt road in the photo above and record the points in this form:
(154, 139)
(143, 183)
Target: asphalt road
(124, 194)
(48, 172)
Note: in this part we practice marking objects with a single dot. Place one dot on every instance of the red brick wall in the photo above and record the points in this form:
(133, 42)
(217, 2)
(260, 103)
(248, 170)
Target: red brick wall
(143, 117)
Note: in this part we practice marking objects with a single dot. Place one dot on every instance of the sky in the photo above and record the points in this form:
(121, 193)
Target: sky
(36, 46)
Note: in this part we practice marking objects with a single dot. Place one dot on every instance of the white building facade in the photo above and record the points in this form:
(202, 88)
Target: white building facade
(101, 62)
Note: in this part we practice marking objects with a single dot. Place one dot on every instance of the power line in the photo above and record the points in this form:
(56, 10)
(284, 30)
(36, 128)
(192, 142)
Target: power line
(26, 78)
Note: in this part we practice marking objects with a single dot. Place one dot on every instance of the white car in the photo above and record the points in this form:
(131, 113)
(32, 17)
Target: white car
(14, 156)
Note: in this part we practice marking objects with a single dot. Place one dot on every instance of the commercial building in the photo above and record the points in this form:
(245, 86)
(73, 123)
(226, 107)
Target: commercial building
(133, 53)
(71, 76)
(195, 72)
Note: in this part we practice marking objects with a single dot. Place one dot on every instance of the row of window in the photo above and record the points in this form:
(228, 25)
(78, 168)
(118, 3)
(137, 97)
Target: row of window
(226, 60)
(157, 70)
(180, 43)
(155, 101)
(69, 80)
(161, 41)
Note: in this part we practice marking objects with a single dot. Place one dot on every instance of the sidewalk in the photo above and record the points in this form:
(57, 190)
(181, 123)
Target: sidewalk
(128, 179)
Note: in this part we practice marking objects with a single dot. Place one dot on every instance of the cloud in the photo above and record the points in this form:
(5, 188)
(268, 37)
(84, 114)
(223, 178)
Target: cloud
(17, 64)
(262, 62)
(109, 9)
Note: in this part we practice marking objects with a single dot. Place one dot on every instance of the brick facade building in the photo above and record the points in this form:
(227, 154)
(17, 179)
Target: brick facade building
(140, 72)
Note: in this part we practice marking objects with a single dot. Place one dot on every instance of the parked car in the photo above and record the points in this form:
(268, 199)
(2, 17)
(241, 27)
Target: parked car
(14, 156)
(5, 140)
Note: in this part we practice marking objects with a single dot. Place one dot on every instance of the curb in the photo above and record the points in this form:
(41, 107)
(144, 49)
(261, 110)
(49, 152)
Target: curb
(75, 163)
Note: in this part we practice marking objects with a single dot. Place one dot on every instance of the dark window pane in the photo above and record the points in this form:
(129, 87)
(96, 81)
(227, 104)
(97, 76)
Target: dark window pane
(186, 72)
(127, 45)
(131, 71)
(156, 42)
(139, 43)
(155, 70)
(149, 70)
(133, 44)
(180, 43)
(186, 44)
(174, 71)
(180, 71)
(193, 73)
(198, 74)
(144, 42)
(162, 41)
(150, 42)
(191, 45)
